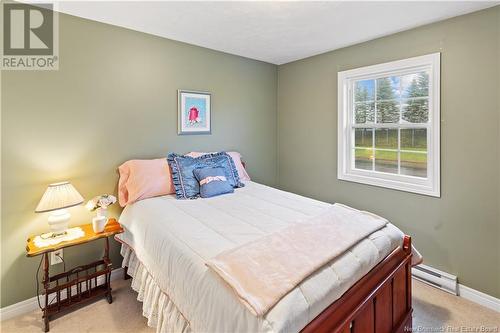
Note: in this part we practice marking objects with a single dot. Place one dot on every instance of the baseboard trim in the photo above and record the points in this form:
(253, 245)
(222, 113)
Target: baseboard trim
(468, 293)
(31, 304)
(479, 297)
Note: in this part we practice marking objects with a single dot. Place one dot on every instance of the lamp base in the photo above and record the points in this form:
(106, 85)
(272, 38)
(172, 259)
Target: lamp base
(58, 221)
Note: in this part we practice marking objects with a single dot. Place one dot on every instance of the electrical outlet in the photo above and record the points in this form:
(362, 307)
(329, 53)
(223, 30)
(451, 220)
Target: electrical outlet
(55, 257)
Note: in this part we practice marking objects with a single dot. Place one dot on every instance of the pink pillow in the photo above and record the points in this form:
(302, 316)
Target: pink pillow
(242, 173)
(142, 179)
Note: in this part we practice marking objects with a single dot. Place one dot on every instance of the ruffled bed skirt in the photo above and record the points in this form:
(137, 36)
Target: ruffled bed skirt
(161, 312)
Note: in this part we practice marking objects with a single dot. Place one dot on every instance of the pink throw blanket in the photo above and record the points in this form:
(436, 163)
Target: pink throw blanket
(265, 270)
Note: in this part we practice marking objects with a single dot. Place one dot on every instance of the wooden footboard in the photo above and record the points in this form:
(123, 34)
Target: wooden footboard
(378, 303)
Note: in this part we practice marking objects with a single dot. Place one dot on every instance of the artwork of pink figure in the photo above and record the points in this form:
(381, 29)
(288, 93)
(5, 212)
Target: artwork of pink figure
(194, 115)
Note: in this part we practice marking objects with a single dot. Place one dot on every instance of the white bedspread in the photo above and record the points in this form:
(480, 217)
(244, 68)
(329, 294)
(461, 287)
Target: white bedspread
(174, 238)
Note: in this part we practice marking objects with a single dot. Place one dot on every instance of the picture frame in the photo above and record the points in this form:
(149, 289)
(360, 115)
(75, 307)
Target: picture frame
(194, 112)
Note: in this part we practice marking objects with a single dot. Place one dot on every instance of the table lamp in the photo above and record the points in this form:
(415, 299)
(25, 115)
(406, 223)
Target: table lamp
(56, 199)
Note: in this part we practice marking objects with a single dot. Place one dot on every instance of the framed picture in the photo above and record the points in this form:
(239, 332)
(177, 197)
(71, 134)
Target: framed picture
(193, 112)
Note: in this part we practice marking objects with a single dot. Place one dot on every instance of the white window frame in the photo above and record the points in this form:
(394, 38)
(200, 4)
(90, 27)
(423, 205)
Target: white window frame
(346, 171)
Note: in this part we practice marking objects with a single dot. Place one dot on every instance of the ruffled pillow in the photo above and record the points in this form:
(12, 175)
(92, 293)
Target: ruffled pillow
(185, 183)
(242, 172)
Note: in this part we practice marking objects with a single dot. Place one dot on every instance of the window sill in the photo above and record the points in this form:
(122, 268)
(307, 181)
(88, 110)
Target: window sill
(418, 186)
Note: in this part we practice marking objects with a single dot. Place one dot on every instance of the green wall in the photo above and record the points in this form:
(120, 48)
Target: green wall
(459, 232)
(114, 98)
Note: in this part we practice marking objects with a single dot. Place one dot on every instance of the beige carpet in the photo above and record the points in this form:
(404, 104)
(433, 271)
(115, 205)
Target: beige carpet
(435, 311)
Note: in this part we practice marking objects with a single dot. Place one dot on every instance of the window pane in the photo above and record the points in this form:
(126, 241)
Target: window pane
(416, 110)
(414, 139)
(386, 138)
(386, 161)
(364, 112)
(364, 90)
(363, 159)
(363, 137)
(388, 112)
(415, 85)
(388, 88)
(414, 164)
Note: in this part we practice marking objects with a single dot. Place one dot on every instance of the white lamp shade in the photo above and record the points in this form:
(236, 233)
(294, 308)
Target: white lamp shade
(59, 196)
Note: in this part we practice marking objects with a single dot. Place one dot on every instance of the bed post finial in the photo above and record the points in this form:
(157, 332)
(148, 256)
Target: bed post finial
(407, 243)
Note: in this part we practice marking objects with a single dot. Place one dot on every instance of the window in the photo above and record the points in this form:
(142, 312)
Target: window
(388, 125)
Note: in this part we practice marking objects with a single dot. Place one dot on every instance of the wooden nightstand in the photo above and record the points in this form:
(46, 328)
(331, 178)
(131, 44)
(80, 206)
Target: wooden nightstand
(80, 283)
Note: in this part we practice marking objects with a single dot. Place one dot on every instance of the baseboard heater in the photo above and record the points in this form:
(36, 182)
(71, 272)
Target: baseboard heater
(436, 278)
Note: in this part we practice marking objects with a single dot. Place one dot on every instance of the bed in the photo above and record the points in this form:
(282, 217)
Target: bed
(167, 243)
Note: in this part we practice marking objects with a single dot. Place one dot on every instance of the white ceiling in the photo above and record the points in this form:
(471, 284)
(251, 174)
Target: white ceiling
(276, 32)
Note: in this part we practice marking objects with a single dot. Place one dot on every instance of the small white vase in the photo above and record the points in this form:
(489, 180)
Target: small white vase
(99, 223)
(102, 212)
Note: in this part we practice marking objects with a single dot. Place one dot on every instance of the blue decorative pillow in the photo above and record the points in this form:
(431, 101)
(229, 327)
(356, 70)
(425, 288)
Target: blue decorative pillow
(213, 182)
(185, 183)
(224, 161)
